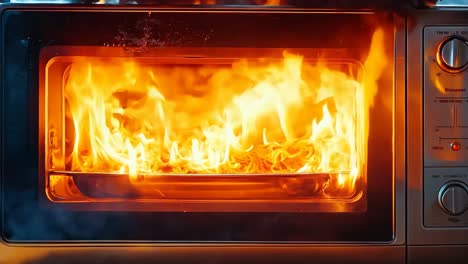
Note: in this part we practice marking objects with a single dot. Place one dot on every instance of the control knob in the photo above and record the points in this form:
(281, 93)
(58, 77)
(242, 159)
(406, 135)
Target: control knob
(453, 198)
(452, 55)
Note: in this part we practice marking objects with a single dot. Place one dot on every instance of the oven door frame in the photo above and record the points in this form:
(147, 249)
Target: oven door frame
(398, 178)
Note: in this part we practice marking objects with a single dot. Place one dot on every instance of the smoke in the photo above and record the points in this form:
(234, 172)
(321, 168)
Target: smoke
(26, 220)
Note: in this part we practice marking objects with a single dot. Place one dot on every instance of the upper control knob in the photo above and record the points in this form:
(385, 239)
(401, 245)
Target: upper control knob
(453, 54)
(453, 198)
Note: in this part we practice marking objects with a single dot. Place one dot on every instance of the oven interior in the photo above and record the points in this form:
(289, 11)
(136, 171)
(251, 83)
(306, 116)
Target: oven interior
(283, 129)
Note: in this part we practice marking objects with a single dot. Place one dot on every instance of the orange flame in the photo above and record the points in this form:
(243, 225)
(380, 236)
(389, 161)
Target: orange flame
(272, 2)
(258, 2)
(265, 116)
(204, 2)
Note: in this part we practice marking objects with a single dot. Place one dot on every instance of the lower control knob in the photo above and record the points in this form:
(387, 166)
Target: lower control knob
(453, 198)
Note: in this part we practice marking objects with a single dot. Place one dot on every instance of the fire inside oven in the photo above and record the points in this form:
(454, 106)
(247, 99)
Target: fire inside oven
(281, 129)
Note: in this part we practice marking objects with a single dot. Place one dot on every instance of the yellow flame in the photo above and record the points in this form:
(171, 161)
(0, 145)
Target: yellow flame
(266, 116)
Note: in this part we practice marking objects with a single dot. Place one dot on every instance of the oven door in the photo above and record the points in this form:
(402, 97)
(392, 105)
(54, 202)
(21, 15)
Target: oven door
(188, 126)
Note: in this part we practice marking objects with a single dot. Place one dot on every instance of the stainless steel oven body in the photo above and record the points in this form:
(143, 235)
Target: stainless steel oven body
(407, 217)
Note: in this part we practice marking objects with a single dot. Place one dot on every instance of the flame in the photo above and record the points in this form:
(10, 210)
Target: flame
(263, 116)
(257, 2)
(272, 2)
(204, 2)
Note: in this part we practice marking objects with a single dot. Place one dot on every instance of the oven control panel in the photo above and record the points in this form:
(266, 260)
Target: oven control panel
(446, 126)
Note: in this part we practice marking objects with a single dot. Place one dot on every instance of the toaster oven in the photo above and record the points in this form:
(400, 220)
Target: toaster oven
(227, 131)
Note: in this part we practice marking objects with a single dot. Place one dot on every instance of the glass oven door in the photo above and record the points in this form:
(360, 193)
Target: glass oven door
(198, 126)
